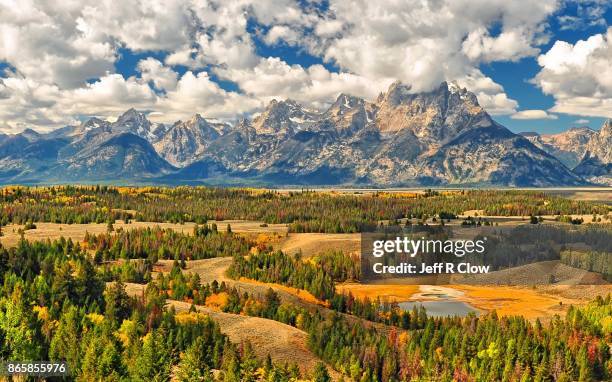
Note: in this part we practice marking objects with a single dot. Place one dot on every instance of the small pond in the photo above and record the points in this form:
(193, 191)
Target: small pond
(441, 308)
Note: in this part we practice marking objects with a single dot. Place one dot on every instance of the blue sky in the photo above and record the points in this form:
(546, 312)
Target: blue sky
(535, 66)
(515, 76)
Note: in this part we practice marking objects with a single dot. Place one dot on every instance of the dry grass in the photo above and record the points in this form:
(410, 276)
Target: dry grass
(600, 195)
(282, 342)
(392, 293)
(76, 232)
(247, 226)
(516, 220)
(531, 303)
(313, 243)
(576, 292)
(538, 273)
(540, 302)
(208, 269)
(214, 269)
(300, 293)
(510, 301)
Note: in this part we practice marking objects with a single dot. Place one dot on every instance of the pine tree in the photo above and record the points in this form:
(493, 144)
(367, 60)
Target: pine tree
(117, 303)
(65, 344)
(191, 367)
(17, 337)
(320, 373)
(231, 364)
(153, 360)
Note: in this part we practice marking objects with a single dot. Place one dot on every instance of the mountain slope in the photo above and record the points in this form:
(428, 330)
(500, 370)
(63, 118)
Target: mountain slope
(569, 146)
(494, 155)
(186, 142)
(587, 151)
(439, 137)
(119, 156)
(136, 123)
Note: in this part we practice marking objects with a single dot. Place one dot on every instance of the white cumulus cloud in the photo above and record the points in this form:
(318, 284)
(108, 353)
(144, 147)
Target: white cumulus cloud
(533, 114)
(579, 76)
(67, 59)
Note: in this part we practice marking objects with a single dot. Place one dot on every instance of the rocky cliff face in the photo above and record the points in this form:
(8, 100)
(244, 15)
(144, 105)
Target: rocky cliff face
(596, 164)
(402, 138)
(600, 144)
(587, 152)
(569, 146)
(186, 142)
(434, 117)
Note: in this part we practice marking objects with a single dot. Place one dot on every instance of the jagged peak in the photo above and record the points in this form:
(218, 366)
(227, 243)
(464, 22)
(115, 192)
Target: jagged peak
(242, 121)
(131, 114)
(281, 104)
(398, 93)
(399, 86)
(292, 102)
(579, 129)
(30, 131)
(94, 122)
(197, 119)
(347, 101)
(453, 87)
(30, 134)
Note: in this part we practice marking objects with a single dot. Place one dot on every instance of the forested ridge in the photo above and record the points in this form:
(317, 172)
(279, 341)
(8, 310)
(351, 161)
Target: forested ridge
(54, 306)
(304, 211)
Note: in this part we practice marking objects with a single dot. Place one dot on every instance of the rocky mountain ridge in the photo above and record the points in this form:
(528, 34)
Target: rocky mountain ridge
(441, 137)
(587, 152)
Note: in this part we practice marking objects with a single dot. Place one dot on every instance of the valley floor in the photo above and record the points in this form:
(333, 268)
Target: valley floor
(288, 344)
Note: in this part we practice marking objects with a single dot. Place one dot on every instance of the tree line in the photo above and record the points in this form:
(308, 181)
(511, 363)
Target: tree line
(303, 211)
(159, 243)
(592, 261)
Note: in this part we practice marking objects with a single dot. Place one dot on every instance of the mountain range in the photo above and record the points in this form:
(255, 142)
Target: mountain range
(587, 152)
(402, 138)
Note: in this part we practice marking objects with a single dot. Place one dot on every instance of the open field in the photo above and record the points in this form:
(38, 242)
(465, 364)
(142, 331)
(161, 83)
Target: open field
(514, 220)
(330, 328)
(244, 226)
(540, 302)
(214, 269)
(76, 232)
(603, 195)
(509, 300)
(563, 191)
(532, 302)
(310, 244)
